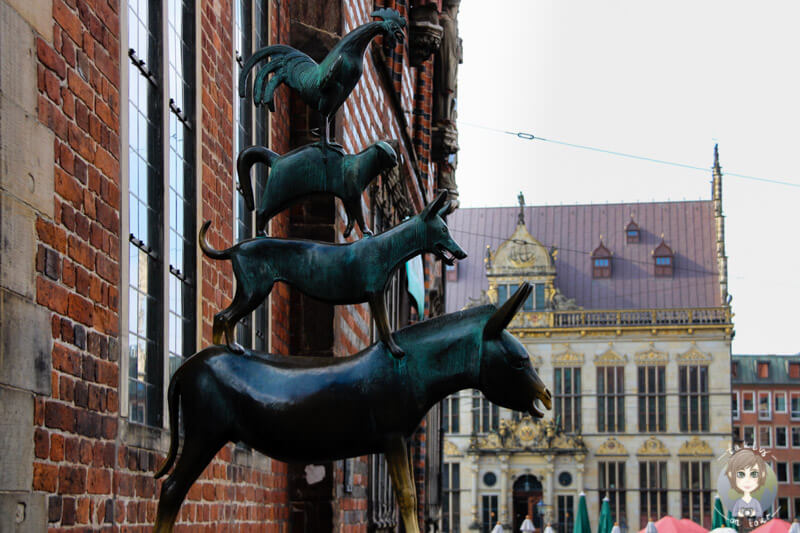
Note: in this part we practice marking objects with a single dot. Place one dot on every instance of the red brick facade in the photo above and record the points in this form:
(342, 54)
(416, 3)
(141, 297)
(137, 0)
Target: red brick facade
(91, 468)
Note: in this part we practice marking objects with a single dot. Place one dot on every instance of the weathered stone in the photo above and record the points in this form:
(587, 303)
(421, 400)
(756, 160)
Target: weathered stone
(18, 59)
(23, 513)
(425, 33)
(25, 344)
(26, 157)
(16, 441)
(37, 14)
(17, 246)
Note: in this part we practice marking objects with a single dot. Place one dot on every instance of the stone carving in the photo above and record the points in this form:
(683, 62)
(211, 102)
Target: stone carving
(567, 358)
(424, 33)
(653, 447)
(611, 447)
(451, 449)
(537, 361)
(651, 356)
(448, 57)
(610, 358)
(562, 303)
(695, 447)
(694, 356)
(529, 434)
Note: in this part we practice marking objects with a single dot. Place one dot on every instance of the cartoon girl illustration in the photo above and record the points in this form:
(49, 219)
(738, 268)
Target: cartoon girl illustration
(747, 472)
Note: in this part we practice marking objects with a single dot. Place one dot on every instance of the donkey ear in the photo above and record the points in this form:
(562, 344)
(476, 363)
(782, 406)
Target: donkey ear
(503, 316)
(432, 209)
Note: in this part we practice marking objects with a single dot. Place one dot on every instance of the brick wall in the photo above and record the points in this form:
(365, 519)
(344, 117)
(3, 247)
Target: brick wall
(80, 463)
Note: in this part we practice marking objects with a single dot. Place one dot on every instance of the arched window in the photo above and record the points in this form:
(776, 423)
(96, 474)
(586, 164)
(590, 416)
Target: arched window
(601, 262)
(664, 260)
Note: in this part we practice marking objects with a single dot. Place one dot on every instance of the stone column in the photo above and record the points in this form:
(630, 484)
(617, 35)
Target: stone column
(581, 467)
(505, 492)
(473, 467)
(549, 487)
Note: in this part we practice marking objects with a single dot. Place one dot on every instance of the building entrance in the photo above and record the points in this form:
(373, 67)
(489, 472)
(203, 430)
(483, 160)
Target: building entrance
(527, 493)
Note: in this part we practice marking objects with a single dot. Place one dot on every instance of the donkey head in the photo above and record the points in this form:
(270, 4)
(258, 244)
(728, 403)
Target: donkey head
(507, 377)
(437, 237)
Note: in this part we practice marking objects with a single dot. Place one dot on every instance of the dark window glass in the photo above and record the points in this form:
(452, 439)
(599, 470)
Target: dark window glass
(652, 399)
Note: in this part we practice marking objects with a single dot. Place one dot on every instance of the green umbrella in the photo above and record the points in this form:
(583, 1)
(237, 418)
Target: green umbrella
(718, 515)
(604, 524)
(582, 519)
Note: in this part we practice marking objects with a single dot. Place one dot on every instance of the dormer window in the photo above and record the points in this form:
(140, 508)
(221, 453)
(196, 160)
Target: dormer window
(664, 260)
(763, 369)
(601, 262)
(632, 232)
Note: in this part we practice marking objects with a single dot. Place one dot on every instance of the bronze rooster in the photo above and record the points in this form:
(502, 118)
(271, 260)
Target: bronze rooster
(324, 86)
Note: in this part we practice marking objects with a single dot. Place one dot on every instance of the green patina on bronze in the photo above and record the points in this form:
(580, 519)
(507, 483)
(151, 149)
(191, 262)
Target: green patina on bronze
(308, 170)
(341, 274)
(312, 409)
(324, 86)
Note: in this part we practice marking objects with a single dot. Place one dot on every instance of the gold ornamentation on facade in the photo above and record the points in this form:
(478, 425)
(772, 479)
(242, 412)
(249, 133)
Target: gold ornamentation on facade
(695, 356)
(651, 356)
(536, 361)
(568, 358)
(450, 448)
(695, 447)
(653, 447)
(520, 255)
(529, 434)
(610, 358)
(612, 447)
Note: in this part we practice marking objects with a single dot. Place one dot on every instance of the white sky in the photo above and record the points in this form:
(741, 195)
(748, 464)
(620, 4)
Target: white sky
(660, 79)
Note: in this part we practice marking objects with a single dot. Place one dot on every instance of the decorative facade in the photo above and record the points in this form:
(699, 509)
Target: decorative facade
(637, 362)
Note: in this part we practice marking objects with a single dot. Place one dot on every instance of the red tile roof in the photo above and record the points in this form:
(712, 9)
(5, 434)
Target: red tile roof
(688, 228)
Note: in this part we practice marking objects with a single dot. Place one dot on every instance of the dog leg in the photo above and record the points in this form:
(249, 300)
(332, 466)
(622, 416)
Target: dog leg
(403, 482)
(245, 301)
(378, 306)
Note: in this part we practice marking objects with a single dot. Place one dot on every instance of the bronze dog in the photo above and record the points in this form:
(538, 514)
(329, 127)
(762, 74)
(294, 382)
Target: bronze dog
(340, 274)
(307, 170)
(365, 403)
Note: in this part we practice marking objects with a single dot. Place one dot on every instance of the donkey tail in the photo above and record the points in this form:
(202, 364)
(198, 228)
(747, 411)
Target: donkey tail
(247, 158)
(207, 249)
(172, 399)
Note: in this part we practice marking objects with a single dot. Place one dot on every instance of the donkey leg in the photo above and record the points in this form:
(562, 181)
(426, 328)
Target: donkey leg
(403, 481)
(378, 306)
(197, 452)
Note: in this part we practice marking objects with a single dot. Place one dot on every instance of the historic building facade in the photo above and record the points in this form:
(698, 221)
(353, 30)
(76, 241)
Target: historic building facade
(119, 129)
(629, 325)
(765, 393)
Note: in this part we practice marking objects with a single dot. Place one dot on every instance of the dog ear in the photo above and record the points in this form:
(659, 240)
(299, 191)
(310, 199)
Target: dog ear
(433, 208)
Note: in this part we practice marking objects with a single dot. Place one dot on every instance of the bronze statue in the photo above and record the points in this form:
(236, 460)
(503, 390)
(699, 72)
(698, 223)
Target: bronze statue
(306, 170)
(310, 409)
(341, 274)
(323, 86)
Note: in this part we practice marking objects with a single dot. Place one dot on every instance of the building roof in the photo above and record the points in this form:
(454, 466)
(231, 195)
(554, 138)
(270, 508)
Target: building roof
(747, 372)
(575, 230)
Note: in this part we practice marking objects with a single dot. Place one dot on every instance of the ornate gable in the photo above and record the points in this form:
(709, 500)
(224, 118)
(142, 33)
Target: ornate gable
(568, 358)
(451, 449)
(528, 434)
(520, 255)
(653, 447)
(611, 448)
(536, 361)
(651, 356)
(694, 356)
(610, 358)
(695, 447)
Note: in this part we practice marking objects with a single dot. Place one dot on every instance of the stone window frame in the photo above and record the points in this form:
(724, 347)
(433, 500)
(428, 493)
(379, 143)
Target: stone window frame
(492, 517)
(617, 495)
(652, 491)
(705, 491)
(485, 414)
(451, 497)
(609, 401)
(170, 331)
(451, 417)
(573, 424)
(694, 406)
(646, 396)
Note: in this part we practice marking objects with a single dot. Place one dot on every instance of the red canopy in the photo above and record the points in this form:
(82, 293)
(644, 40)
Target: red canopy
(776, 525)
(670, 524)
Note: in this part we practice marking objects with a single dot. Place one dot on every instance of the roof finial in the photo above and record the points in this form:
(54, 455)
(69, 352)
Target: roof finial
(521, 216)
(717, 169)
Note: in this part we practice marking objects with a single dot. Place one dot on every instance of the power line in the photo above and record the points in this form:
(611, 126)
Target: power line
(530, 137)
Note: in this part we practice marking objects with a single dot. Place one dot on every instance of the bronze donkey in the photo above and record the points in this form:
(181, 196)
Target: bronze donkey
(307, 170)
(366, 403)
(341, 274)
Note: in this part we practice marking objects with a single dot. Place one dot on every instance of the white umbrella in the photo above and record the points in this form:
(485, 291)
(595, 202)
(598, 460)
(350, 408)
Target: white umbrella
(616, 528)
(498, 528)
(549, 529)
(651, 528)
(795, 526)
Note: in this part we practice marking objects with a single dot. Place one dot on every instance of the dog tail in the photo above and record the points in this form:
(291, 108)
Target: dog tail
(207, 249)
(172, 400)
(247, 158)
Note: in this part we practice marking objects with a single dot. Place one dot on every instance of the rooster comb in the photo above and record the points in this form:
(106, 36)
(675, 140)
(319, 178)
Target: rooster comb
(389, 15)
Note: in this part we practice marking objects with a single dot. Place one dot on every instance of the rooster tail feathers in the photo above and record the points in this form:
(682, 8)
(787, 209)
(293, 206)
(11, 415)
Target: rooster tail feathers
(285, 61)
